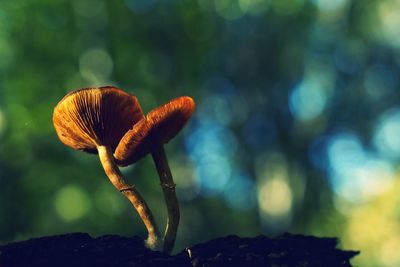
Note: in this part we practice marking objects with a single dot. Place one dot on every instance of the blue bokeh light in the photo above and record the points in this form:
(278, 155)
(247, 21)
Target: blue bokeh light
(240, 191)
(308, 100)
(361, 181)
(387, 132)
(344, 151)
(355, 173)
(212, 147)
(211, 140)
(213, 174)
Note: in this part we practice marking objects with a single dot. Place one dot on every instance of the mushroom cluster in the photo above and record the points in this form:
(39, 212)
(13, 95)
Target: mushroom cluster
(110, 122)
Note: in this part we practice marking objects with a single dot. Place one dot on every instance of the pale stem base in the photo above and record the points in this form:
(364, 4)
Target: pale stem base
(112, 171)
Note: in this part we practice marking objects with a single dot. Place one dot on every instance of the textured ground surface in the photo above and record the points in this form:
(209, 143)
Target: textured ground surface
(79, 249)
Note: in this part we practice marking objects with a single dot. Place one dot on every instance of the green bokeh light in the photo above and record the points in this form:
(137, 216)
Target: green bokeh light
(72, 203)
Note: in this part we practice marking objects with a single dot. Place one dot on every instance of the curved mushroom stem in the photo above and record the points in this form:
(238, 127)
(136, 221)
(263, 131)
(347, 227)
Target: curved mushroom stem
(117, 179)
(168, 187)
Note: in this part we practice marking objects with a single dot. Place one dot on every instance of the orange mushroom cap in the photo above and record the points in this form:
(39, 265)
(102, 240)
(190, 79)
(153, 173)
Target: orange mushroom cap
(90, 117)
(157, 128)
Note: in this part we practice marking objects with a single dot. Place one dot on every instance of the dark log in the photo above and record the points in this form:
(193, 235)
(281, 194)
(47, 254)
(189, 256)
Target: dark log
(79, 249)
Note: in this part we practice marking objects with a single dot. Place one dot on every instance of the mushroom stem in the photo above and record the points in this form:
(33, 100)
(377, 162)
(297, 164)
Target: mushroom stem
(117, 179)
(168, 187)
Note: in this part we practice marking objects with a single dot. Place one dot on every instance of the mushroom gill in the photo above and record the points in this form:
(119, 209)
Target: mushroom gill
(90, 117)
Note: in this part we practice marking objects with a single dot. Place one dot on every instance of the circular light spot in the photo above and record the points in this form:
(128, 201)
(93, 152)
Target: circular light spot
(386, 136)
(239, 193)
(356, 174)
(71, 203)
(344, 151)
(275, 197)
(214, 175)
(308, 101)
(96, 65)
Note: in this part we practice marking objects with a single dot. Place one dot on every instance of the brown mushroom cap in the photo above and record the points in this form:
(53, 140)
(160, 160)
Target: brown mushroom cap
(90, 117)
(157, 128)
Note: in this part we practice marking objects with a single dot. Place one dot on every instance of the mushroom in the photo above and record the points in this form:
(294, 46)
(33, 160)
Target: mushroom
(94, 120)
(148, 136)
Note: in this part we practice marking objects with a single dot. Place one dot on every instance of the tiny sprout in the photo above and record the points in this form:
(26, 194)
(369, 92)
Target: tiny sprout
(148, 136)
(94, 120)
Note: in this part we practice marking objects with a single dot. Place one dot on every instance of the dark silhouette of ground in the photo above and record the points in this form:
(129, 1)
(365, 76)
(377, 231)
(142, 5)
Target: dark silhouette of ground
(79, 249)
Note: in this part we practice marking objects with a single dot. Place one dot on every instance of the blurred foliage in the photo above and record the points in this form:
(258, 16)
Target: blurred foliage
(296, 127)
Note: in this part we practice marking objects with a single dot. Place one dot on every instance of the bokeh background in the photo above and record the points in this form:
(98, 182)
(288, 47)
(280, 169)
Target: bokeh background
(297, 126)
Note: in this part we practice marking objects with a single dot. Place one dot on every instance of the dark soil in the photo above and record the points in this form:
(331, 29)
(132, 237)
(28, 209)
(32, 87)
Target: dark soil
(79, 249)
